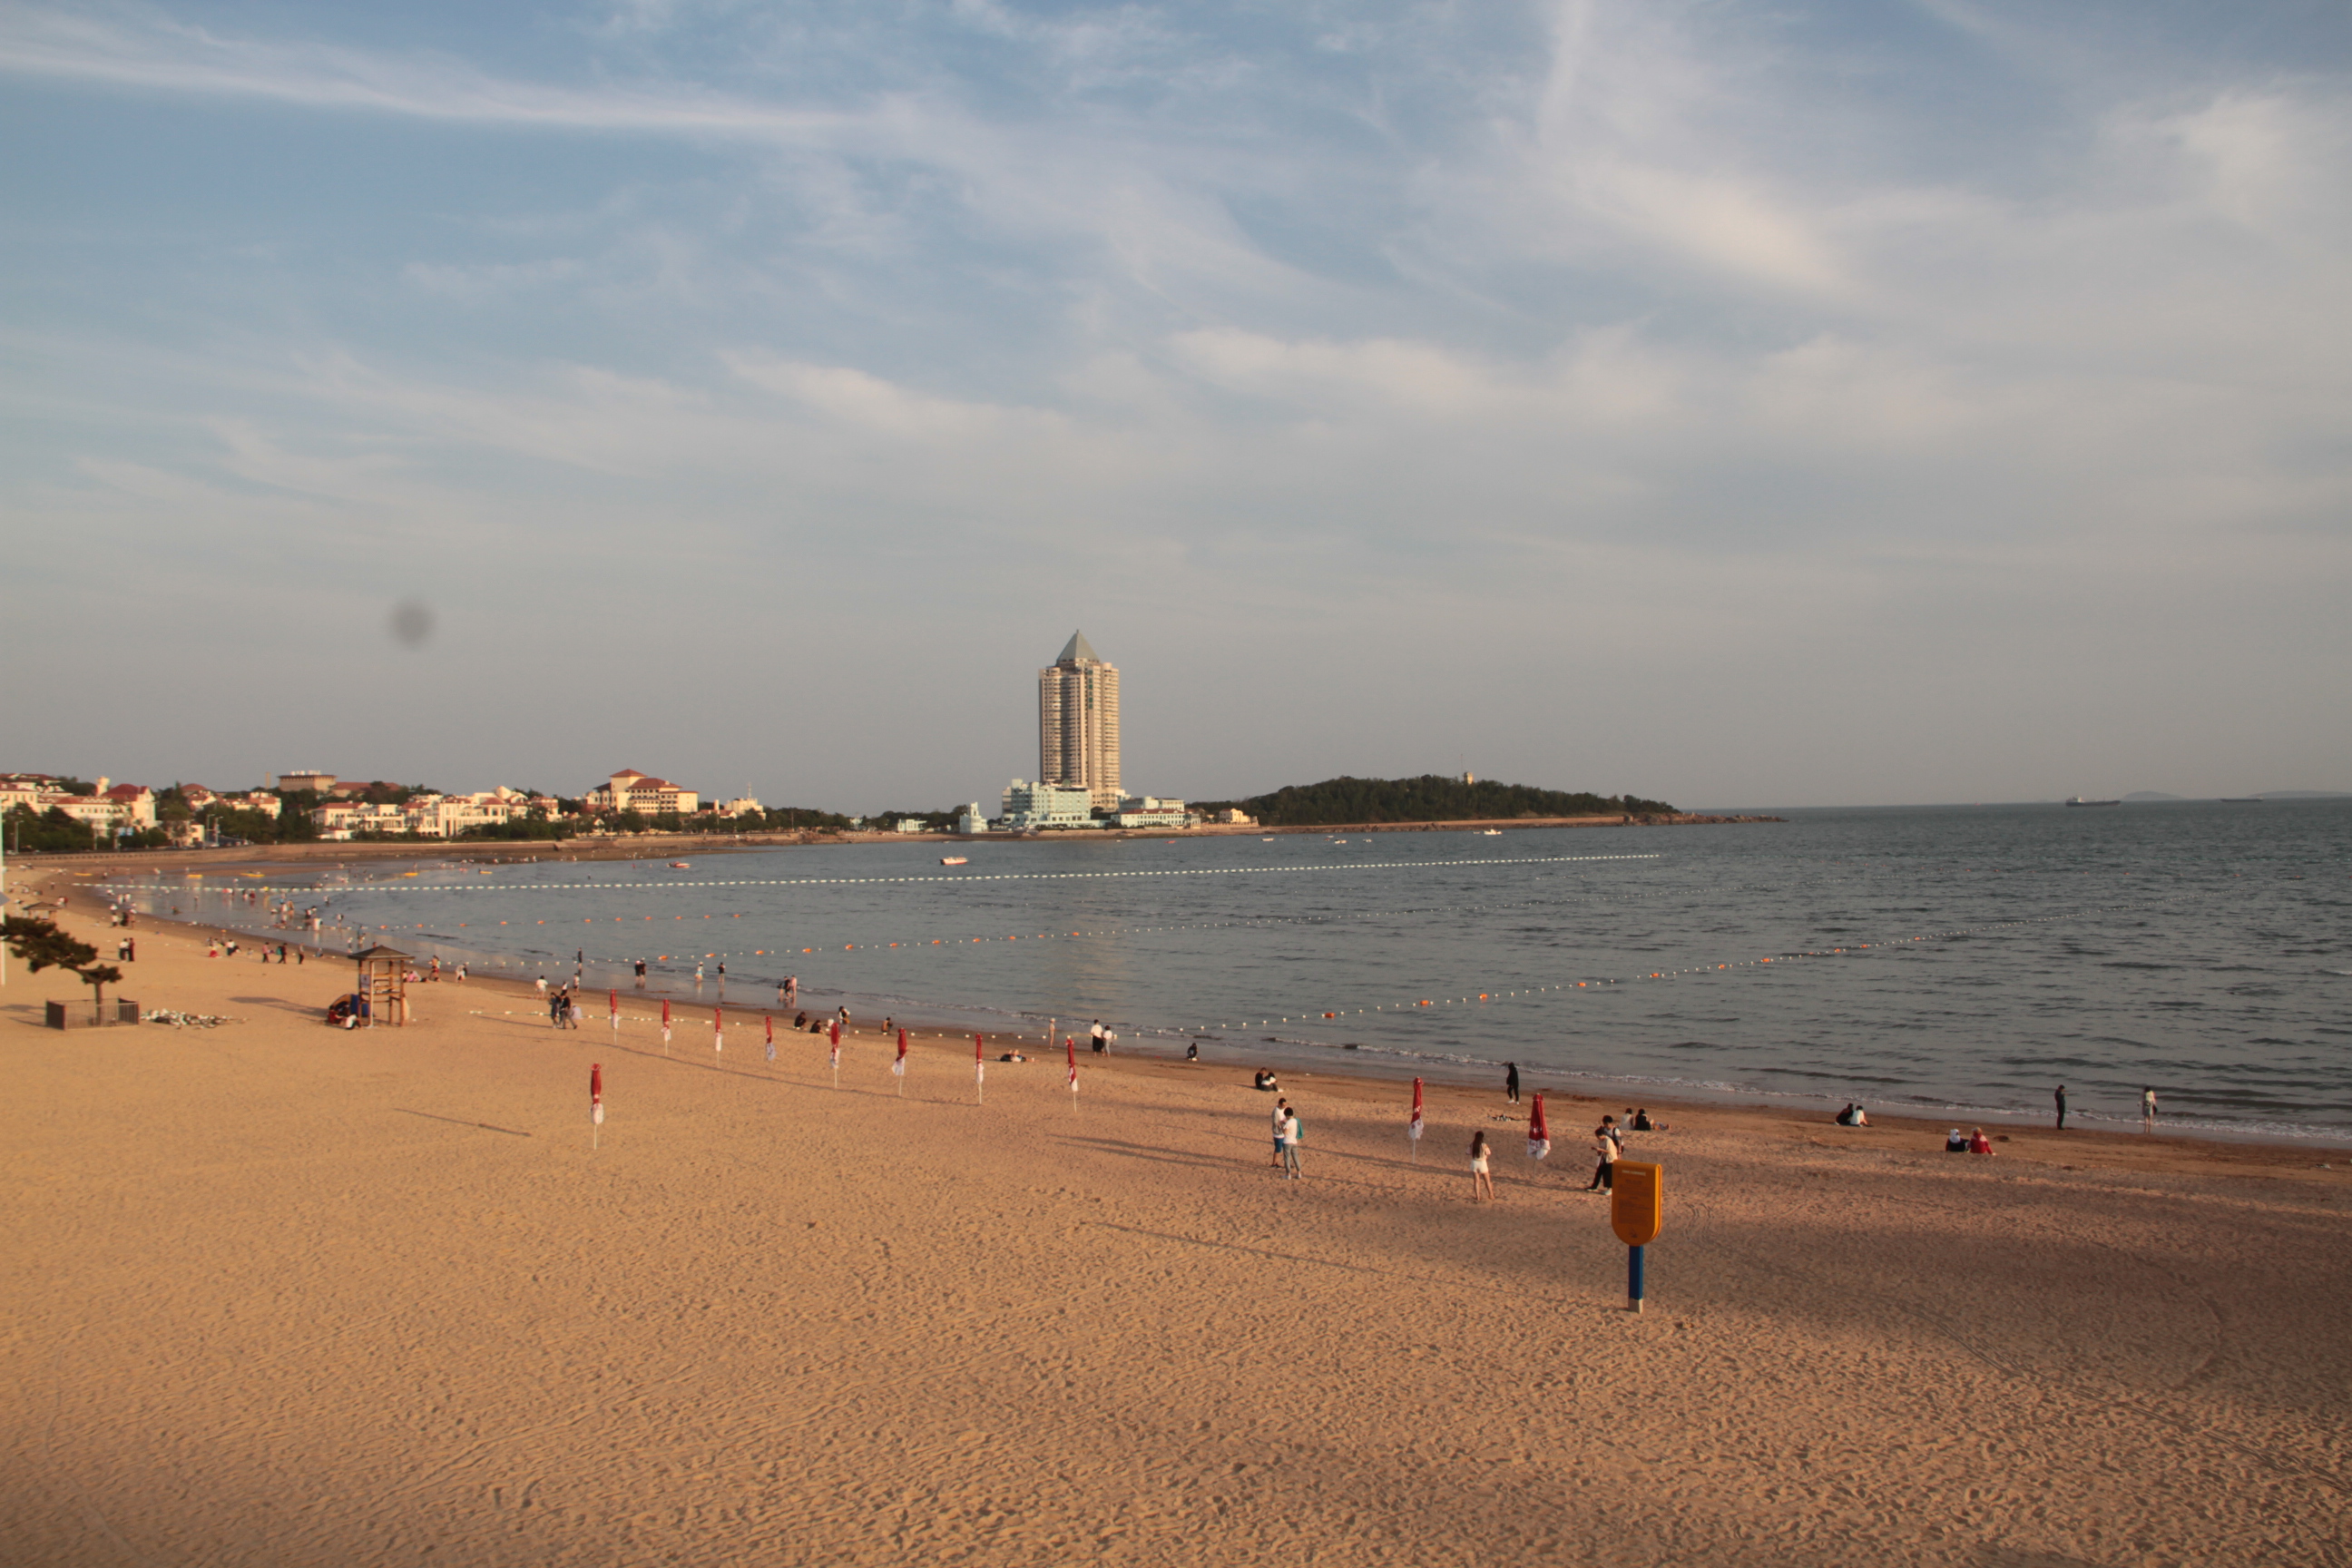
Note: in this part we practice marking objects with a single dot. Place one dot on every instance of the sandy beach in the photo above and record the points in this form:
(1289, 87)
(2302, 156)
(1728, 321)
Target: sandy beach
(288, 1294)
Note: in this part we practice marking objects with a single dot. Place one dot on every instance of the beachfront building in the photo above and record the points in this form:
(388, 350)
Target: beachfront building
(341, 819)
(742, 805)
(1042, 805)
(121, 808)
(971, 820)
(630, 790)
(427, 815)
(1077, 724)
(33, 791)
(309, 779)
(1152, 811)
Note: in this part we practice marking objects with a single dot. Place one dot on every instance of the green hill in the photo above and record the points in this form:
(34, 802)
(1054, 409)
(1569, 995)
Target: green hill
(1429, 798)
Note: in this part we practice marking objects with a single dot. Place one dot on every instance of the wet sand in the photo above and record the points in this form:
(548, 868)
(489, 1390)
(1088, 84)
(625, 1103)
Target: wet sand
(290, 1294)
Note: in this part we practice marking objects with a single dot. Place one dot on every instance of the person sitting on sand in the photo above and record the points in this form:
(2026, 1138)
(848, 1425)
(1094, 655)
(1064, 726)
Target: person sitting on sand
(1012, 1056)
(1264, 1080)
(1193, 1052)
(1860, 1118)
(799, 1019)
(1845, 1117)
(1979, 1143)
(1956, 1141)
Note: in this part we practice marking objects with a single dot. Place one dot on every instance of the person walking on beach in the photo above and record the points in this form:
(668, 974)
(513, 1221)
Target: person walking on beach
(1511, 1082)
(1482, 1184)
(1292, 1134)
(2061, 1097)
(1095, 1037)
(2148, 1110)
(1281, 1113)
(1605, 1150)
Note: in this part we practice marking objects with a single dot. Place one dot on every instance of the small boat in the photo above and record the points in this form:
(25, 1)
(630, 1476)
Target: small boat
(1491, 833)
(2078, 800)
(681, 864)
(955, 860)
(2241, 800)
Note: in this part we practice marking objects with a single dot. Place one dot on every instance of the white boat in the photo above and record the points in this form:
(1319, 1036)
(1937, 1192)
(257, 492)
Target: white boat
(1491, 833)
(2078, 800)
(955, 860)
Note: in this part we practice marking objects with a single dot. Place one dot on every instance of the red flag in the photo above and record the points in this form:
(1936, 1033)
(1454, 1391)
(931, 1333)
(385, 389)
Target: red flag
(899, 1066)
(717, 1030)
(978, 1044)
(771, 1017)
(612, 1004)
(664, 1014)
(596, 1093)
(1414, 1129)
(1072, 1042)
(1538, 1133)
(836, 1031)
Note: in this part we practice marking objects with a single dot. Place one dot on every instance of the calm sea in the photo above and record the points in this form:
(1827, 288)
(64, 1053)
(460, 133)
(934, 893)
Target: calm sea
(1956, 961)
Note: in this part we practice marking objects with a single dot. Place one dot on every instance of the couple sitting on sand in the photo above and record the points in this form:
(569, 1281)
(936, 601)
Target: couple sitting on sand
(1264, 1080)
(1853, 1115)
(1978, 1144)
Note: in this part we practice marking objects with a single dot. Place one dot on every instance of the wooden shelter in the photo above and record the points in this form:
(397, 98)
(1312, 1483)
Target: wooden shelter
(384, 984)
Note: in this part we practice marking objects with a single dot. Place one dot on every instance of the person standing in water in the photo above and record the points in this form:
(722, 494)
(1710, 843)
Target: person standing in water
(1511, 1082)
(2148, 1110)
(2061, 1097)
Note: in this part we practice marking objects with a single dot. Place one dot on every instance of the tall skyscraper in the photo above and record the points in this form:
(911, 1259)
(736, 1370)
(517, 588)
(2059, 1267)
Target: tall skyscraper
(1077, 723)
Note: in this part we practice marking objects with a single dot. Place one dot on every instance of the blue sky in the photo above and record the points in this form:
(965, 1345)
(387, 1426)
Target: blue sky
(1734, 404)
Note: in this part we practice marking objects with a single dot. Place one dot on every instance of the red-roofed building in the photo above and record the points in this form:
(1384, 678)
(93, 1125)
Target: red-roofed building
(630, 790)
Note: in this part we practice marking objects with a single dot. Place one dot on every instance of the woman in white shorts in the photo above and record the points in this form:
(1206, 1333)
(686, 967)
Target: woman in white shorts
(1482, 1184)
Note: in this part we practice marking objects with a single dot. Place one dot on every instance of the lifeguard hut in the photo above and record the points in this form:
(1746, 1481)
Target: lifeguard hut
(384, 985)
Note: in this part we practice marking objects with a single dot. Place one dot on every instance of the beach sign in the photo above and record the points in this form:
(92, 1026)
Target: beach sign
(1636, 1213)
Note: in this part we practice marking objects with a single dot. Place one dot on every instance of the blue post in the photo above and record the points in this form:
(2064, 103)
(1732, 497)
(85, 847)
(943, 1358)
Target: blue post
(1633, 1279)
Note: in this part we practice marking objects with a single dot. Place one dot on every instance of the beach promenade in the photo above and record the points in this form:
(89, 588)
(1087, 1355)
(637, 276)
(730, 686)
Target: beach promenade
(283, 1294)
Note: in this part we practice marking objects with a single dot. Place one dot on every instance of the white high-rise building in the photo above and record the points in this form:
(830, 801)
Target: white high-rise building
(1077, 723)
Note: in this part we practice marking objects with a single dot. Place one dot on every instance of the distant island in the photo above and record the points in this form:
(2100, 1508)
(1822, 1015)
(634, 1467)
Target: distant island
(1428, 798)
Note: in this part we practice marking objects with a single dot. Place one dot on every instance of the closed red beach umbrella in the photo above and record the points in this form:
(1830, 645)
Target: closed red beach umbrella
(1538, 1133)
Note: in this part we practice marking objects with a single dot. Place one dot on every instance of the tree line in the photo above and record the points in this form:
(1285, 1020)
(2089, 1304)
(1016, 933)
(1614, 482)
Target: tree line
(1431, 797)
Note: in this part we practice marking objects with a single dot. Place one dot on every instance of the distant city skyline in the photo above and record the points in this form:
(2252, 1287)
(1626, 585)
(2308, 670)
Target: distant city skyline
(1736, 405)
